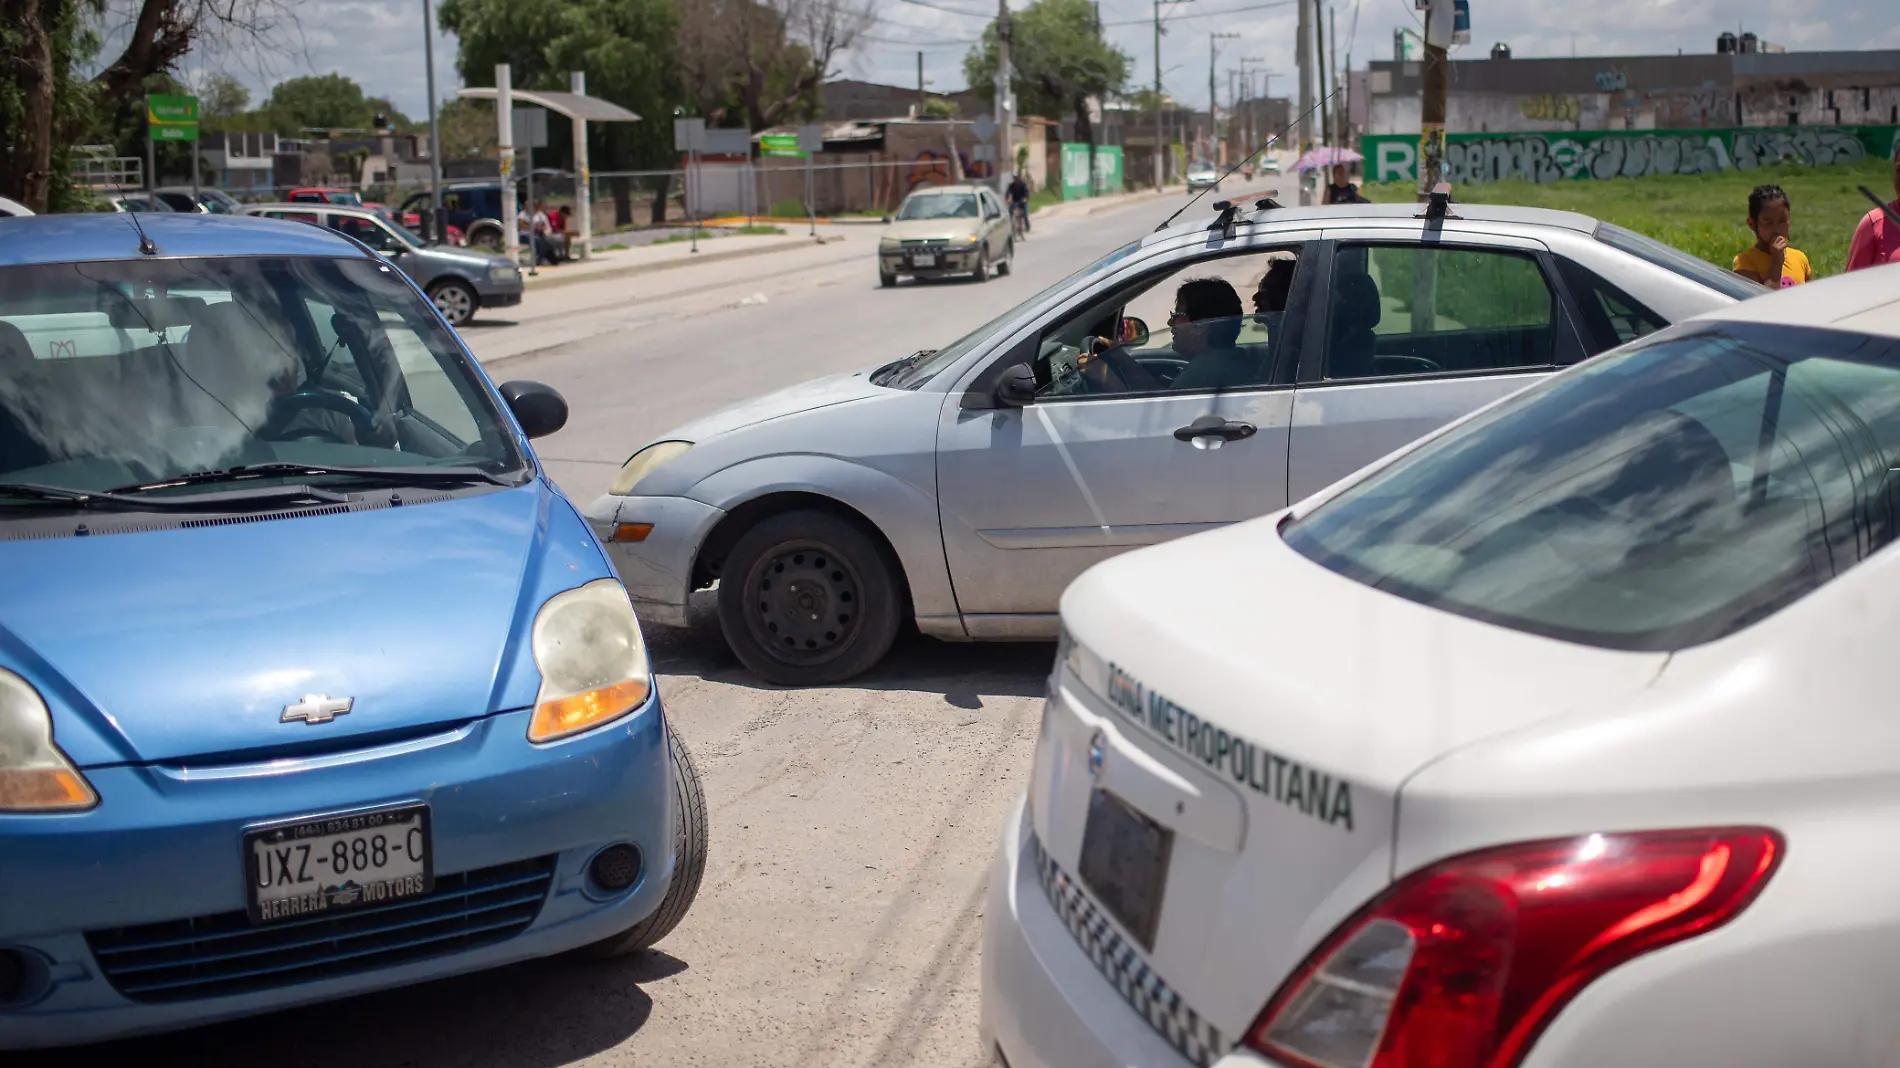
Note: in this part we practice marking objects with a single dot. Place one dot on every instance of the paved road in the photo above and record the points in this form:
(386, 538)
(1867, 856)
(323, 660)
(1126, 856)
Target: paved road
(852, 826)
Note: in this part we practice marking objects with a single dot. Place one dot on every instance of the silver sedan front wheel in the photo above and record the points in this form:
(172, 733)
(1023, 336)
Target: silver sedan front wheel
(454, 299)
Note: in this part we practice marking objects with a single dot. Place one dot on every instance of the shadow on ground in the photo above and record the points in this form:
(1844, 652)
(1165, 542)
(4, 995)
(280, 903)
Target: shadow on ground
(542, 1014)
(963, 672)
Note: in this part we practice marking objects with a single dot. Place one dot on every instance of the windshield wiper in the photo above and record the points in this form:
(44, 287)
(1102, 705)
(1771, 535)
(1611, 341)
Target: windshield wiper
(119, 501)
(410, 476)
(884, 375)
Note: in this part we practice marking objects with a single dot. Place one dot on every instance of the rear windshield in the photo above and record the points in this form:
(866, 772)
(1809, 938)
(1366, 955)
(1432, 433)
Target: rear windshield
(1661, 496)
(1671, 258)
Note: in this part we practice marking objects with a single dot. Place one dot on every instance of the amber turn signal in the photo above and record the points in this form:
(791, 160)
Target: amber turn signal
(562, 716)
(44, 790)
(632, 531)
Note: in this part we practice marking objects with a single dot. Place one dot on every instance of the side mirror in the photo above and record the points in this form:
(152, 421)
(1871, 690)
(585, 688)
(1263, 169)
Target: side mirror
(886, 220)
(1017, 387)
(1134, 332)
(538, 408)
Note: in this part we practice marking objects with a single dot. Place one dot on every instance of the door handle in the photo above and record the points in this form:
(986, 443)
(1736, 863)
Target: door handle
(1209, 431)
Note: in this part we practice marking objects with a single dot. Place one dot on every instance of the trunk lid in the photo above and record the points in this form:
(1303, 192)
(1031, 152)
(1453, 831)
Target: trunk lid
(1260, 713)
(192, 642)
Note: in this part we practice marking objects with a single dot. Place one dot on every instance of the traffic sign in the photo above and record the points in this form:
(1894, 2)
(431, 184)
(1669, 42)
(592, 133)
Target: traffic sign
(811, 138)
(171, 118)
(984, 127)
(780, 145)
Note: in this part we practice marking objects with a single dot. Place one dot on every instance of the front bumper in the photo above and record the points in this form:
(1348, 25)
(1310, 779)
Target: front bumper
(495, 294)
(658, 572)
(948, 261)
(164, 845)
(1044, 1003)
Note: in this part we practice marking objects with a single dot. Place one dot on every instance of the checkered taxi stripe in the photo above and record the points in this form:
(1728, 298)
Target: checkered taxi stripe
(1146, 992)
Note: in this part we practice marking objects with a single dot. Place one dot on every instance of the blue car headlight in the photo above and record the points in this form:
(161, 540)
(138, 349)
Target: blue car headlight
(593, 661)
(34, 775)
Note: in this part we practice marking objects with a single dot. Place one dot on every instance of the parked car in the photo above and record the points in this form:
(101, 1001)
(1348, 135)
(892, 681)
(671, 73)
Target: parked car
(1202, 175)
(944, 230)
(311, 683)
(137, 202)
(473, 210)
(1556, 739)
(459, 281)
(325, 195)
(13, 209)
(203, 201)
(966, 486)
(1270, 165)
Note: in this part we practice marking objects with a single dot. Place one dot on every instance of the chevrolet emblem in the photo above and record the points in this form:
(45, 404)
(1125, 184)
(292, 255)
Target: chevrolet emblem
(316, 708)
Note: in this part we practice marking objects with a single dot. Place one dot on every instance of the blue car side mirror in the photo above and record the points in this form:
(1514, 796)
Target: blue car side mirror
(539, 409)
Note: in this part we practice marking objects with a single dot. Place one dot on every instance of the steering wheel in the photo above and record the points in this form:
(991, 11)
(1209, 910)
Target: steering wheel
(288, 406)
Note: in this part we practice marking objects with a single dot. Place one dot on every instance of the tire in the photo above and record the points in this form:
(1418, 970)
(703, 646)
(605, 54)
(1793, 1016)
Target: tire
(982, 272)
(808, 598)
(886, 280)
(1009, 258)
(456, 300)
(689, 861)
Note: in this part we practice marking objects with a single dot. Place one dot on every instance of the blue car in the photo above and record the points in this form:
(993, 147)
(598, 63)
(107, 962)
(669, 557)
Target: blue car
(311, 683)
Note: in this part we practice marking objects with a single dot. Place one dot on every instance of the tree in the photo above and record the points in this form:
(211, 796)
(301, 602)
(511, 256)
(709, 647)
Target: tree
(467, 128)
(325, 102)
(764, 60)
(938, 108)
(1059, 60)
(45, 106)
(626, 48)
(223, 97)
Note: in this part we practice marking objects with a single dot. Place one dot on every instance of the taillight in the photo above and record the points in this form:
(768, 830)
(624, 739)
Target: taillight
(1463, 964)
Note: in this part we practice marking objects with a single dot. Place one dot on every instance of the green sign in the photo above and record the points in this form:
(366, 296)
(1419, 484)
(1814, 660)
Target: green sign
(1075, 170)
(779, 145)
(171, 118)
(1599, 154)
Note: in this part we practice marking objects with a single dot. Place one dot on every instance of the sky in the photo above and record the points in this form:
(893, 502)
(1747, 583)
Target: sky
(379, 43)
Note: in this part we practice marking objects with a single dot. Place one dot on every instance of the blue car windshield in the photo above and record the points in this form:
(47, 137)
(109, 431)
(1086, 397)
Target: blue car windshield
(124, 372)
(1659, 497)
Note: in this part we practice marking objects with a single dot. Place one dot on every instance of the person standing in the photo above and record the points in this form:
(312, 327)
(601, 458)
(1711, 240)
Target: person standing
(1877, 239)
(1771, 261)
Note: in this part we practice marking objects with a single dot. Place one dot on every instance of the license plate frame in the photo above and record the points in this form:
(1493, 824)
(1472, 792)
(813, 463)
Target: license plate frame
(348, 895)
(1124, 863)
(923, 259)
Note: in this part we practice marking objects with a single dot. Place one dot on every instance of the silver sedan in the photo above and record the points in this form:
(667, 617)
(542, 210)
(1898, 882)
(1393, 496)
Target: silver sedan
(1209, 373)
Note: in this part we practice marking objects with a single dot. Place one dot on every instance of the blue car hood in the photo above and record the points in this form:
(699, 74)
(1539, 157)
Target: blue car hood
(163, 645)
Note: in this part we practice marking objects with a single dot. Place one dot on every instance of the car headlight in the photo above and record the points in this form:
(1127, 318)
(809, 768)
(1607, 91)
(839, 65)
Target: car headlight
(645, 462)
(34, 775)
(888, 244)
(593, 662)
(503, 274)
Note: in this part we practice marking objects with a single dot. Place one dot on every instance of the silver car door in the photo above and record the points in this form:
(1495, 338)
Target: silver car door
(1031, 496)
(1415, 333)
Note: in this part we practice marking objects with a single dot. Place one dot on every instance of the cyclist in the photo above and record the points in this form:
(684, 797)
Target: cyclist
(1018, 194)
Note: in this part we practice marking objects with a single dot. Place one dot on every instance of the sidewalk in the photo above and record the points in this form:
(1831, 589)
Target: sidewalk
(1070, 209)
(660, 257)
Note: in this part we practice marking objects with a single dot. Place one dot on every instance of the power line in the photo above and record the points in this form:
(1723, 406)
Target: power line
(950, 10)
(1202, 14)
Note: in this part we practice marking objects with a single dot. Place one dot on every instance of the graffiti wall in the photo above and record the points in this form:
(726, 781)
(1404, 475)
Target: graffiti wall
(1601, 154)
(1075, 170)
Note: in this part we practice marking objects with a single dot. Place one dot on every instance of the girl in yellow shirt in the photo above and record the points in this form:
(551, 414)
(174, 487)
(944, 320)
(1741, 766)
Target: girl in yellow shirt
(1770, 260)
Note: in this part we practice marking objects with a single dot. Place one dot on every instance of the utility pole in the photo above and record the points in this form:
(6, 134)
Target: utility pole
(1004, 76)
(1157, 99)
(436, 231)
(505, 137)
(1252, 101)
(1431, 162)
(1319, 60)
(921, 99)
(1303, 52)
(1332, 64)
(1213, 101)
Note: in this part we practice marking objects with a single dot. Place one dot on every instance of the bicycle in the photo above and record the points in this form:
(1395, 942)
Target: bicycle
(1019, 219)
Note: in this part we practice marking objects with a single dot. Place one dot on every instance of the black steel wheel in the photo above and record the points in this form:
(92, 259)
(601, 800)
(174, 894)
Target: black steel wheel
(808, 598)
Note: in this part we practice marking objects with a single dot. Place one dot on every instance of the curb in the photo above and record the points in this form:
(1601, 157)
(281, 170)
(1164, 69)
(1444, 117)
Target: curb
(666, 265)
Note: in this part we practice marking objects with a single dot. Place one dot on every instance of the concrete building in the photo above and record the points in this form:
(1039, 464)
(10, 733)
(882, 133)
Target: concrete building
(1719, 89)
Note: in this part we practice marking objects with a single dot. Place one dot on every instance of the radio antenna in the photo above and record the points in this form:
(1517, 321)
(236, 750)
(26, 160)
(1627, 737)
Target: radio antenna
(146, 248)
(1261, 147)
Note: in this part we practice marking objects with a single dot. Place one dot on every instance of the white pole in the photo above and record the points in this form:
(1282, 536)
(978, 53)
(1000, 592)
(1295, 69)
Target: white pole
(505, 131)
(583, 184)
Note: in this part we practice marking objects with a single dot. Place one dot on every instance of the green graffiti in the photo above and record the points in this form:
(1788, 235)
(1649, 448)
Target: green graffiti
(1602, 154)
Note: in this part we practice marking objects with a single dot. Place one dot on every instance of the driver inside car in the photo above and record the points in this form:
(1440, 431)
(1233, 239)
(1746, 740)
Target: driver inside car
(1206, 326)
(227, 330)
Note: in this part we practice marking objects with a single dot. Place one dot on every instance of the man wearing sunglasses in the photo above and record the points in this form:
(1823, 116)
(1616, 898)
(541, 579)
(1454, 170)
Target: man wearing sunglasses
(1205, 324)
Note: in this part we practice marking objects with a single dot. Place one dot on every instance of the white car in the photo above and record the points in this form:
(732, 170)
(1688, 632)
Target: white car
(13, 209)
(1202, 175)
(1563, 737)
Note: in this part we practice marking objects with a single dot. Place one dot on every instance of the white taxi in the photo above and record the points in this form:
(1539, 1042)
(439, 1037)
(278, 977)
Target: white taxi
(1565, 736)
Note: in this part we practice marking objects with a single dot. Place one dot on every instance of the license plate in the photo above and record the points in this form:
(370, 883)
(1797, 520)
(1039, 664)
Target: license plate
(923, 259)
(303, 868)
(1125, 863)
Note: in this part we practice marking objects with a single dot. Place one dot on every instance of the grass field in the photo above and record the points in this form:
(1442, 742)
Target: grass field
(1704, 214)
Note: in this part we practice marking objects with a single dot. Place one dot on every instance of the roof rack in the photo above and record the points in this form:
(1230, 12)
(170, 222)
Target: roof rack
(1438, 206)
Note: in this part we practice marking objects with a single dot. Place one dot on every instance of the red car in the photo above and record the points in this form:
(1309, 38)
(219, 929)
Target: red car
(325, 195)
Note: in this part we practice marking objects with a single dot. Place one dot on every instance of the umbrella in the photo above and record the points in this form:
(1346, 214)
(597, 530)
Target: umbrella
(1326, 156)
